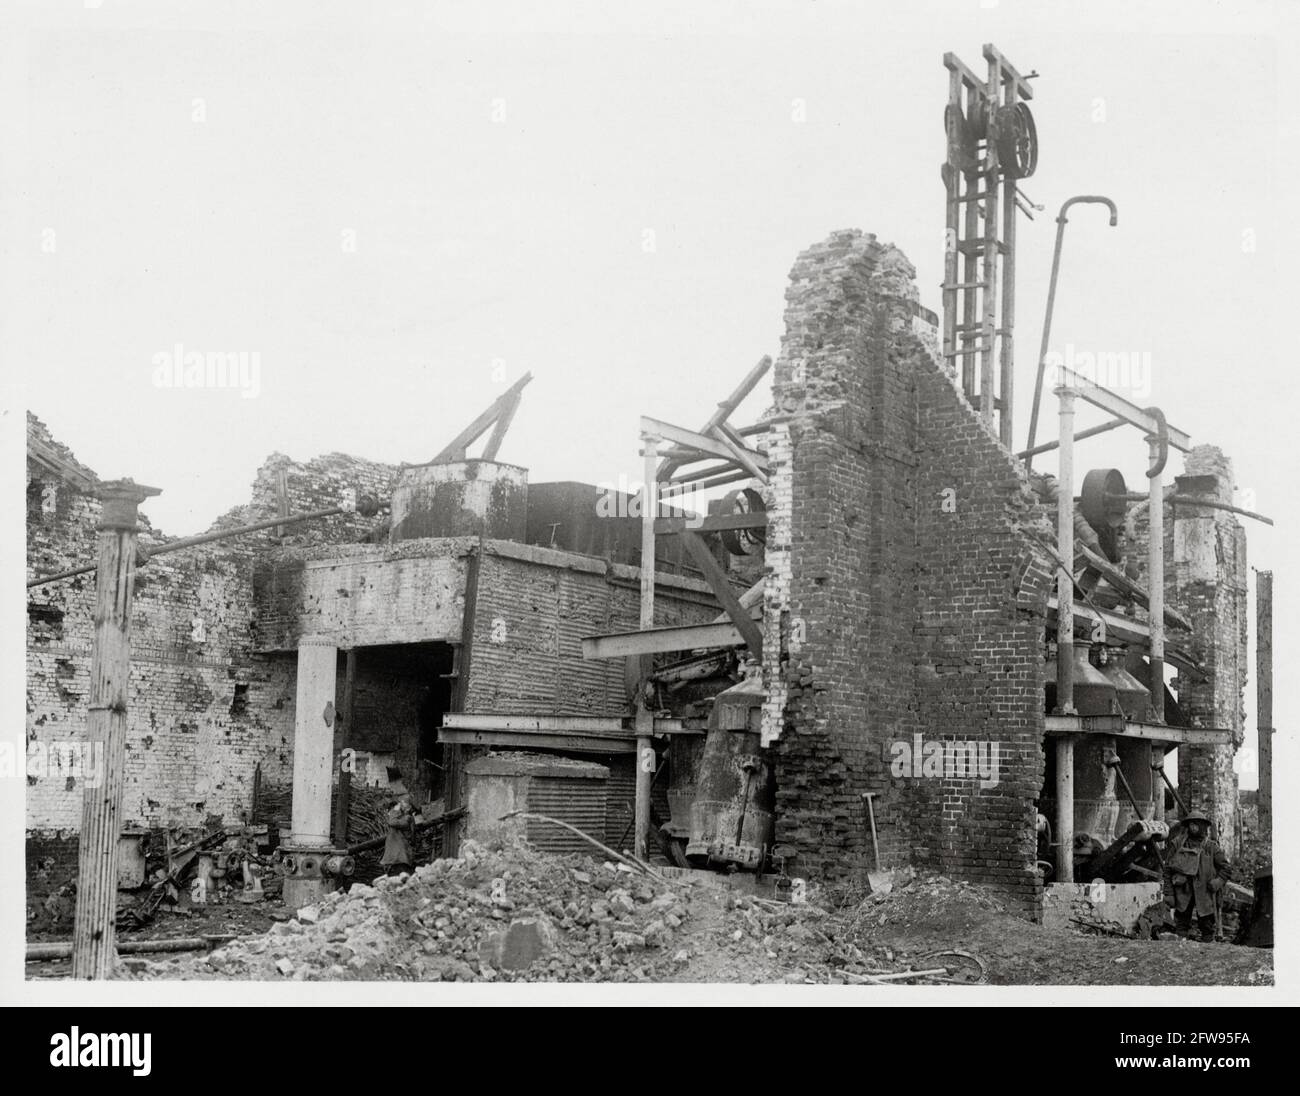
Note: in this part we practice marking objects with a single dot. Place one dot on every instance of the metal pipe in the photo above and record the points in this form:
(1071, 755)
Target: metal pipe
(1178, 799)
(1156, 581)
(1091, 432)
(1157, 789)
(1189, 500)
(1061, 221)
(1065, 809)
(146, 554)
(645, 754)
(1065, 545)
(54, 950)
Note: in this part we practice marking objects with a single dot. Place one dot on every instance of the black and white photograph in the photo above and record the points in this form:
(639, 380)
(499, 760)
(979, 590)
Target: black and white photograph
(708, 504)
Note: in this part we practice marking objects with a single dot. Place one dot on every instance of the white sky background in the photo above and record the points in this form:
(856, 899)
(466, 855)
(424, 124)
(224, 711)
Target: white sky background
(522, 240)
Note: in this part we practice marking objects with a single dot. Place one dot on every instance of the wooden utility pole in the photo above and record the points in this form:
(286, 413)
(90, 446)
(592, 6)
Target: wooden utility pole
(93, 940)
(1264, 698)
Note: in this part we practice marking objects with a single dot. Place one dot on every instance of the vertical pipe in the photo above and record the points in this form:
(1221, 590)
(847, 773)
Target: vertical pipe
(1264, 698)
(1065, 809)
(1065, 543)
(1047, 334)
(1157, 781)
(645, 757)
(313, 740)
(93, 935)
(1156, 580)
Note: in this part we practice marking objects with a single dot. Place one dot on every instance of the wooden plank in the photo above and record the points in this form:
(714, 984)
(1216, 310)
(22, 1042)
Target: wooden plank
(711, 523)
(577, 743)
(1118, 406)
(703, 443)
(717, 579)
(740, 453)
(1008, 71)
(504, 419)
(955, 64)
(93, 932)
(1056, 725)
(578, 724)
(454, 450)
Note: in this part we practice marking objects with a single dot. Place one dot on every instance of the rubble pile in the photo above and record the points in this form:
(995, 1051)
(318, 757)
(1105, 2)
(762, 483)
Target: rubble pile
(512, 914)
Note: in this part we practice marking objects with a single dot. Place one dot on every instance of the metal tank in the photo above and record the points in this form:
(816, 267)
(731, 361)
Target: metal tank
(461, 499)
(731, 817)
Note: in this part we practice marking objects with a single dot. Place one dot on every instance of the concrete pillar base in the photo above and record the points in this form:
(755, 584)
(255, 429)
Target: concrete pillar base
(306, 892)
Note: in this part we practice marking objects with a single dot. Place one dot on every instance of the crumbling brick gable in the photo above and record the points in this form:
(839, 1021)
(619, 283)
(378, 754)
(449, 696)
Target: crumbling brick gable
(887, 613)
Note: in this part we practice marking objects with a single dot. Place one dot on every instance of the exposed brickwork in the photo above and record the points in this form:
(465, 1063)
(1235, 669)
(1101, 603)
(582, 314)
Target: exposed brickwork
(1209, 577)
(203, 711)
(533, 608)
(904, 595)
(1206, 580)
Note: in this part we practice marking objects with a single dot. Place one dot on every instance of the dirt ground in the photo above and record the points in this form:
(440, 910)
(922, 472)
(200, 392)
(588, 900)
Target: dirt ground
(588, 921)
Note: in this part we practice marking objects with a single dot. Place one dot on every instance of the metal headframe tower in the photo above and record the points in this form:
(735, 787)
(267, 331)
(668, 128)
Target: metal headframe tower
(992, 144)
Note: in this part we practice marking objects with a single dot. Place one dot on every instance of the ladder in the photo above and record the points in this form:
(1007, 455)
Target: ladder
(991, 144)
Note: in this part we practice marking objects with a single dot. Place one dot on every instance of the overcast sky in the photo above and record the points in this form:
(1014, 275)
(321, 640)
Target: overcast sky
(400, 215)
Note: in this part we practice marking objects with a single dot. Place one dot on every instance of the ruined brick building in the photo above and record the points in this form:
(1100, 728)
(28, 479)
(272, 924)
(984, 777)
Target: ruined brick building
(903, 595)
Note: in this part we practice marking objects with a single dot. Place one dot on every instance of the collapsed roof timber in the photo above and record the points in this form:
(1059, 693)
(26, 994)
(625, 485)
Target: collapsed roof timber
(885, 580)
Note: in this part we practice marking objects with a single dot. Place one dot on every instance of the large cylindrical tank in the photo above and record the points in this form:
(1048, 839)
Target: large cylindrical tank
(732, 813)
(1133, 696)
(1096, 803)
(461, 499)
(1093, 693)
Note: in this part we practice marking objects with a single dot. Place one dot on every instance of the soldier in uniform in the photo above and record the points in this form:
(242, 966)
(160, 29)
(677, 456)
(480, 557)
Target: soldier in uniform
(398, 855)
(1196, 870)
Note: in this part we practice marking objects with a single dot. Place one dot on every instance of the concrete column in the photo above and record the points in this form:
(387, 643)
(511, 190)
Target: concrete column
(313, 741)
(1065, 543)
(645, 754)
(1065, 809)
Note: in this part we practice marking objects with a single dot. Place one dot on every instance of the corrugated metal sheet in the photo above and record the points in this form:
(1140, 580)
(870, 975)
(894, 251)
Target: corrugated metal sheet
(583, 686)
(580, 802)
(620, 800)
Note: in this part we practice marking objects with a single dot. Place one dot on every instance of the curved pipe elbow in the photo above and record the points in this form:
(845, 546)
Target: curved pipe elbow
(1093, 199)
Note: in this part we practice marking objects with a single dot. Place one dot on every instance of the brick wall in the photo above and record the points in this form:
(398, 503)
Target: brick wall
(903, 598)
(532, 610)
(1206, 580)
(205, 708)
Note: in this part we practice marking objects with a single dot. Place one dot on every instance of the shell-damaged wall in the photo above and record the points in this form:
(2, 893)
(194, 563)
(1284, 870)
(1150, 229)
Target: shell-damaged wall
(905, 606)
(204, 708)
